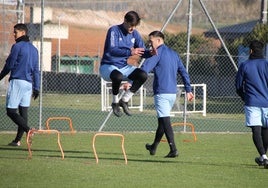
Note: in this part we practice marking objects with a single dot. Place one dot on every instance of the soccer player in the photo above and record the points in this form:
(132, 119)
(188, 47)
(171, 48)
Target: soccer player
(122, 42)
(165, 65)
(252, 86)
(23, 66)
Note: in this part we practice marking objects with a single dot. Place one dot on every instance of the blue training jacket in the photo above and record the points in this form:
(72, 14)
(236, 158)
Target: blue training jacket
(252, 82)
(23, 64)
(165, 65)
(118, 44)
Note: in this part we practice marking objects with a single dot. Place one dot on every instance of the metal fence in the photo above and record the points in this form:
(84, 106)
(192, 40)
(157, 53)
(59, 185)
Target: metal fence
(211, 37)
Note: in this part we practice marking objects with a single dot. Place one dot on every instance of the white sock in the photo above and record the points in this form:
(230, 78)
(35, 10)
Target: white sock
(115, 99)
(264, 156)
(127, 95)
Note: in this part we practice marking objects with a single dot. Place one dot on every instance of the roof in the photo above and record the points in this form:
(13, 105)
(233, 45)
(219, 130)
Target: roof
(233, 31)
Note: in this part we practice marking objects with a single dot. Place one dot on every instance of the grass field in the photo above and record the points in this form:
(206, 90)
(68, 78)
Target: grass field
(215, 160)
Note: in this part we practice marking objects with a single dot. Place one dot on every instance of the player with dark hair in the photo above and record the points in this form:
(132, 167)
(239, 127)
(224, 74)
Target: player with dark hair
(123, 41)
(23, 66)
(252, 86)
(165, 65)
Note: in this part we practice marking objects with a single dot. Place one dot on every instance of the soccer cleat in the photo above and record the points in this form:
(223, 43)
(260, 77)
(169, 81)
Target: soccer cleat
(13, 143)
(265, 163)
(172, 154)
(150, 149)
(116, 109)
(259, 161)
(124, 105)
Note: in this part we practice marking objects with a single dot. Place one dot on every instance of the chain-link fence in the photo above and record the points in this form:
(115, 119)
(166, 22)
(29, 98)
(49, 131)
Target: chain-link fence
(211, 37)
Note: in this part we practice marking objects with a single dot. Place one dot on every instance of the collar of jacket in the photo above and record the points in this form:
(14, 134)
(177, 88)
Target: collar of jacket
(23, 38)
(256, 55)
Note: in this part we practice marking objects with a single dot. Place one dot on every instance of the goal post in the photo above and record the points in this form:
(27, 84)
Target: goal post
(199, 103)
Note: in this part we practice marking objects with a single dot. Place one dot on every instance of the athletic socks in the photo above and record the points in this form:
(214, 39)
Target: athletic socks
(127, 95)
(264, 156)
(115, 99)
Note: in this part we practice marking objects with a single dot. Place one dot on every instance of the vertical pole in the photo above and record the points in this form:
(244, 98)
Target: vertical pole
(189, 30)
(264, 12)
(41, 64)
(59, 47)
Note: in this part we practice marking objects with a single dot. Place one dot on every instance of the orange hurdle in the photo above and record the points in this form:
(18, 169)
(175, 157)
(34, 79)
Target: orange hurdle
(60, 118)
(109, 134)
(29, 140)
(192, 129)
(185, 124)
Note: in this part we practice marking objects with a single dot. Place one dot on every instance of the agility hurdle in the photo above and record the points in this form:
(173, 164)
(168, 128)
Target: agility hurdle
(29, 140)
(108, 134)
(60, 118)
(192, 130)
(185, 124)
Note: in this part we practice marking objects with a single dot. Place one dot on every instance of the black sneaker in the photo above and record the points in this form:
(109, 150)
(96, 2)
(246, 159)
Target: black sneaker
(265, 163)
(172, 154)
(259, 161)
(150, 149)
(124, 105)
(13, 143)
(116, 109)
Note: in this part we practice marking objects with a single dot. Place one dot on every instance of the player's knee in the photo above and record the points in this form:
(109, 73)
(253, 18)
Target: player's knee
(138, 74)
(10, 112)
(116, 76)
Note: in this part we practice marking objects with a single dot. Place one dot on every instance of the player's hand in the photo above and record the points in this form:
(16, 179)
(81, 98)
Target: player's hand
(35, 94)
(190, 96)
(137, 51)
(125, 86)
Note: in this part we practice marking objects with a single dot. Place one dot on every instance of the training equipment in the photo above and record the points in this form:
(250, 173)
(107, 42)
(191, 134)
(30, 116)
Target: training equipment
(109, 134)
(33, 131)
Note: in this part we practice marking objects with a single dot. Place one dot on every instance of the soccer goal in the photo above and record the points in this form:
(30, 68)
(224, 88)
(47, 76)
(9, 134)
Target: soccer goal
(199, 103)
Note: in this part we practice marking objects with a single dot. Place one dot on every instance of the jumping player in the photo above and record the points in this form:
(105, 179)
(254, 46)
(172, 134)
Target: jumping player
(123, 41)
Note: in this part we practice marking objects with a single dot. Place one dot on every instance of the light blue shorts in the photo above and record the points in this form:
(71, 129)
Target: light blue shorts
(256, 116)
(105, 71)
(18, 94)
(163, 104)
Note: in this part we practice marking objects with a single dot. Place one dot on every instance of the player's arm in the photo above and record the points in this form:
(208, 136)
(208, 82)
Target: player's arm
(114, 47)
(10, 62)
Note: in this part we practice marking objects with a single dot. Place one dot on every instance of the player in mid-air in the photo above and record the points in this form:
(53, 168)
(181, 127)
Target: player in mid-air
(122, 42)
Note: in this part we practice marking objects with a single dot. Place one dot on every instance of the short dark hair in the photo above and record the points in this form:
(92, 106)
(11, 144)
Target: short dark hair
(157, 34)
(133, 18)
(21, 27)
(256, 46)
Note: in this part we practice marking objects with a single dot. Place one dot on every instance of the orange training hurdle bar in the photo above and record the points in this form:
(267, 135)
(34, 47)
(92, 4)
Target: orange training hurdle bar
(109, 134)
(192, 129)
(29, 140)
(60, 118)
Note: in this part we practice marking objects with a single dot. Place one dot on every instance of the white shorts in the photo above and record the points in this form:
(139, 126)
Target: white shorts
(18, 94)
(256, 116)
(163, 104)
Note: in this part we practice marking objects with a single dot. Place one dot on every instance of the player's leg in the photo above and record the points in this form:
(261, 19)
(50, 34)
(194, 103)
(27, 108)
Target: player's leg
(112, 73)
(158, 136)
(254, 116)
(258, 142)
(19, 94)
(264, 134)
(170, 137)
(138, 77)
